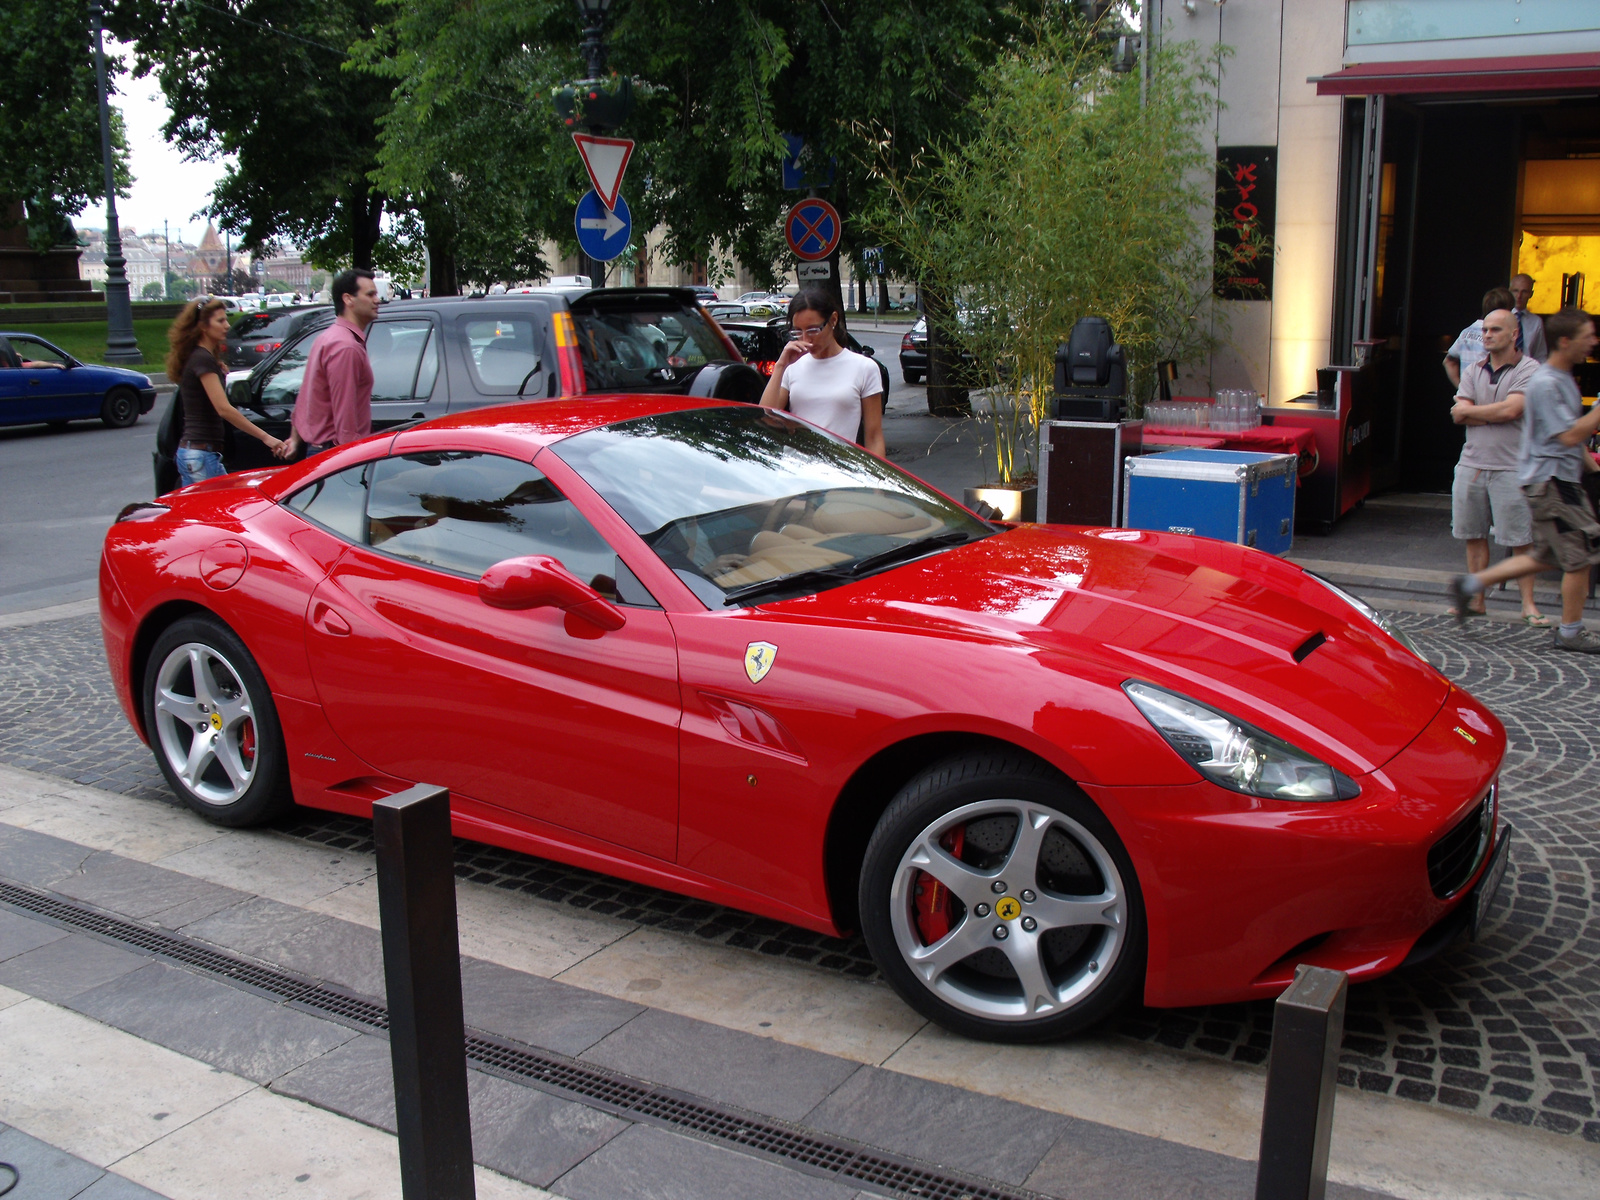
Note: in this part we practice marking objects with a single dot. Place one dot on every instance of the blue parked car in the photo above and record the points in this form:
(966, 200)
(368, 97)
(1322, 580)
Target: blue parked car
(43, 383)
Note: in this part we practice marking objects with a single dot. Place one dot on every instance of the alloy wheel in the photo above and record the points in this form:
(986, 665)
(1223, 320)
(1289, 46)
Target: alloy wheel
(1009, 910)
(206, 723)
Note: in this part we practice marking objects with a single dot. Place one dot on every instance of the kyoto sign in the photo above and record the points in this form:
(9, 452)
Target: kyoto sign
(812, 229)
(602, 231)
(1247, 209)
(605, 159)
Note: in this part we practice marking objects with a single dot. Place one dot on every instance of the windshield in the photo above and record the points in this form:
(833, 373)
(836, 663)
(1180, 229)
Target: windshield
(651, 348)
(733, 498)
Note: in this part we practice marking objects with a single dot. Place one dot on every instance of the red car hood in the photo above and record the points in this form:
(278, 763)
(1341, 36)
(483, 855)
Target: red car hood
(1227, 626)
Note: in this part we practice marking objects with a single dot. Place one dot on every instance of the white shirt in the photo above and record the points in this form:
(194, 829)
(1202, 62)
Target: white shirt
(1468, 348)
(828, 391)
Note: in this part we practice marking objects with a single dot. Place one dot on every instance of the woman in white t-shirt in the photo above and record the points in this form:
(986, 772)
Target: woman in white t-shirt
(818, 379)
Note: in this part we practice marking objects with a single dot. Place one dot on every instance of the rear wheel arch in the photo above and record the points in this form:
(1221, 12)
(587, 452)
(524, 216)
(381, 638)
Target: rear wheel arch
(867, 795)
(155, 623)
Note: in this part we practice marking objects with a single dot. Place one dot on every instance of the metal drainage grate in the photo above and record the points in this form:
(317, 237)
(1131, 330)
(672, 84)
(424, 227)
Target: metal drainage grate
(184, 951)
(617, 1092)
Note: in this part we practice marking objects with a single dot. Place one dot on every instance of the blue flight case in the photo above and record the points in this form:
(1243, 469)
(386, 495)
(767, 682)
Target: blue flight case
(1232, 495)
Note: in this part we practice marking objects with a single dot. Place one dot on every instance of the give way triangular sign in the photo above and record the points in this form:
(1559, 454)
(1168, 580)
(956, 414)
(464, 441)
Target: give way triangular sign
(605, 159)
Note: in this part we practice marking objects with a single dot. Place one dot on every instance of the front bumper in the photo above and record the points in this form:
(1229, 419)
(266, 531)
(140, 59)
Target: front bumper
(1239, 891)
(147, 399)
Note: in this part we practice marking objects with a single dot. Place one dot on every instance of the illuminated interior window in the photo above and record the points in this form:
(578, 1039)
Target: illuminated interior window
(1560, 222)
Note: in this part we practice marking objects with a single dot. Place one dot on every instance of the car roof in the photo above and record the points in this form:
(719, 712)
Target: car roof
(515, 430)
(684, 296)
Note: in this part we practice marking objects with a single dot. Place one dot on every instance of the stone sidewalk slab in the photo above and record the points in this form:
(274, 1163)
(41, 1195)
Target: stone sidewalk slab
(88, 1097)
(238, 1031)
(46, 1173)
(1445, 1167)
(723, 1065)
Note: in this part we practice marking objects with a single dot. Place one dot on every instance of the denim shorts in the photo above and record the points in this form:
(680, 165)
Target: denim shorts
(195, 465)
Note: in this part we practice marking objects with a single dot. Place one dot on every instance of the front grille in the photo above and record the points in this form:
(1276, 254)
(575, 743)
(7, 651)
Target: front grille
(621, 1094)
(1456, 855)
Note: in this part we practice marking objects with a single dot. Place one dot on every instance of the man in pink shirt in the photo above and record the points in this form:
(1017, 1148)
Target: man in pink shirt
(335, 402)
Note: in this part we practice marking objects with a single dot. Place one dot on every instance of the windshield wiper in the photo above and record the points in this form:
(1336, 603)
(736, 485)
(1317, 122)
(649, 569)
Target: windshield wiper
(845, 572)
(784, 583)
(909, 550)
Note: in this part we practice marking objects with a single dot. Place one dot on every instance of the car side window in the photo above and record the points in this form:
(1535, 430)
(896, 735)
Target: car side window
(30, 350)
(464, 511)
(397, 351)
(337, 502)
(280, 384)
(501, 352)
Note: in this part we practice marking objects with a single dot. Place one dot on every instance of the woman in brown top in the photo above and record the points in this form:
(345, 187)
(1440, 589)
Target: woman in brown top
(198, 338)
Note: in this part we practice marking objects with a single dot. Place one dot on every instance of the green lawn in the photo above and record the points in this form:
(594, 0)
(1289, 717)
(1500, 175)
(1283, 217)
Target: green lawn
(86, 340)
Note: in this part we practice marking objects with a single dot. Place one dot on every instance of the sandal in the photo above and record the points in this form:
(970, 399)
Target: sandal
(1539, 621)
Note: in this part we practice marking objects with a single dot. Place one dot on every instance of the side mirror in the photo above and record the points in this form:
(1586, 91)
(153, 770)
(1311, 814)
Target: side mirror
(868, 351)
(539, 581)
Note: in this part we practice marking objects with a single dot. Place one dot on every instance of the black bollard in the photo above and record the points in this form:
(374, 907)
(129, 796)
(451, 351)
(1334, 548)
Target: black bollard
(422, 969)
(1307, 1026)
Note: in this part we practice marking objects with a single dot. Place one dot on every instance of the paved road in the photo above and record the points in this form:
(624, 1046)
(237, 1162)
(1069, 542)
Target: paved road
(60, 491)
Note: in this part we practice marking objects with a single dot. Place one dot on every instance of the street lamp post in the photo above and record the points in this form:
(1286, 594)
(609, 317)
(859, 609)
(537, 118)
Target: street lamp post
(121, 345)
(593, 46)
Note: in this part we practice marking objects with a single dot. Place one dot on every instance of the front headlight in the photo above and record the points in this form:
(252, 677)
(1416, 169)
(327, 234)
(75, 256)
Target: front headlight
(1236, 755)
(1381, 620)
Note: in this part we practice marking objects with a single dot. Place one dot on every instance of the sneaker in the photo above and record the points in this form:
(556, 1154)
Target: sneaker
(1460, 599)
(1583, 642)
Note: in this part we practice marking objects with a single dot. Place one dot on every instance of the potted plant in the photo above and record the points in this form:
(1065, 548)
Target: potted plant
(1078, 193)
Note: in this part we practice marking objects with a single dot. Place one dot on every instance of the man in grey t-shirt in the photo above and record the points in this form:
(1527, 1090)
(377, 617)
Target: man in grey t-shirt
(1486, 494)
(1550, 470)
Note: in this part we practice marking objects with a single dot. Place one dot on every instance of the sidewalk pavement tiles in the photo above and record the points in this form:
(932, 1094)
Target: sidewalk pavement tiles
(625, 1137)
(218, 1000)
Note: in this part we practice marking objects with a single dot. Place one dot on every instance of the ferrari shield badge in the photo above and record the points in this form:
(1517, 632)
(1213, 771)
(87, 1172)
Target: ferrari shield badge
(758, 660)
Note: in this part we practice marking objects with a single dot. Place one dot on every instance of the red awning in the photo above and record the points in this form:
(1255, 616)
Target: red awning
(1532, 73)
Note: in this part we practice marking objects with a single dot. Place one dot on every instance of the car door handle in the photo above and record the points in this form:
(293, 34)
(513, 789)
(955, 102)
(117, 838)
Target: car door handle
(329, 622)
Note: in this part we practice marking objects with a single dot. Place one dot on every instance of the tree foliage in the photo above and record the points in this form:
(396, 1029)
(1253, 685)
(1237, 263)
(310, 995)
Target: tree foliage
(470, 143)
(265, 81)
(1071, 200)
(474, 140)
(50, 118)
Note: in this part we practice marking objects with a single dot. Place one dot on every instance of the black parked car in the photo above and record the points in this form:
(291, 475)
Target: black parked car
(762, 341)
(444, 355)
(254, 336)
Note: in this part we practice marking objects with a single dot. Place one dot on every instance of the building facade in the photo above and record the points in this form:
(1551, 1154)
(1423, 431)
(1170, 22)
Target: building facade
(1419, 153)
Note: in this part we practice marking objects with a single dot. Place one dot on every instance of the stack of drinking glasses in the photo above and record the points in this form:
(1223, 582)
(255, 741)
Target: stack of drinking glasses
(1236, 409)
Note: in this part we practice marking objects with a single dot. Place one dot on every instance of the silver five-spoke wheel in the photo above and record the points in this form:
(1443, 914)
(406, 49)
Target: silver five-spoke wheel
(999, 901)
(1008, 909)
(205, 724)
(210, 719)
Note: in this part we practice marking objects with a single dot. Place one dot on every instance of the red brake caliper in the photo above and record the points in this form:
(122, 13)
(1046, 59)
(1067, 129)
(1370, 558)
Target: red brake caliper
(247, 741)
(933, 898)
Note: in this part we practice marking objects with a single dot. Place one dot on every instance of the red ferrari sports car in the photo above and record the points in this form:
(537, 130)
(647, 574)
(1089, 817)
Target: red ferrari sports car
(711, 648)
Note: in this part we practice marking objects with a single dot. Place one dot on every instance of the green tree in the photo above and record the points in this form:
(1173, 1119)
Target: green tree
(179, 288)
(50, 118)
(1074, 199)
(264, 81)
(151, 291)
(474, 142)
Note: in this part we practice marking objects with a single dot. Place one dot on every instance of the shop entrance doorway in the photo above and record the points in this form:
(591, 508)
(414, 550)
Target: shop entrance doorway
(1441, 199)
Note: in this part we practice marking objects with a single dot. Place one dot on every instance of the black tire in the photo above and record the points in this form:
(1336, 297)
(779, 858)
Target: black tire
(912, 377)
(251, 786)
(974, 988)
(121, 408)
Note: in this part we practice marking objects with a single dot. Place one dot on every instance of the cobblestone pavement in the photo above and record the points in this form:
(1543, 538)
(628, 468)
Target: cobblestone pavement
(1507, 1028)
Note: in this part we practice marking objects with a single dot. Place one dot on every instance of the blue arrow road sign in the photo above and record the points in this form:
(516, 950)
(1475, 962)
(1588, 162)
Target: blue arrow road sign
(602, 232)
